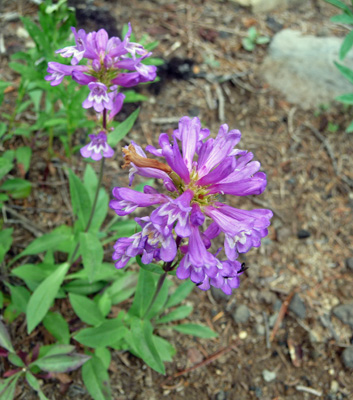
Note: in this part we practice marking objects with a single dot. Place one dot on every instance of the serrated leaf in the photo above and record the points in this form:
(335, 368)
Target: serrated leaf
(179, 313)
(96, 379)
(86, 309)
(56, 324)
(43, 296)
(123, 129)
(195, 330)
(104, 335)
(5, 340)
(61, 362)
(92, 253)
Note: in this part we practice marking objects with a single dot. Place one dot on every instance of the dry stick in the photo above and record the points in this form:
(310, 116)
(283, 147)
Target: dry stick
(329, 151)
(29, 225)
(208, 360)
(281, 314)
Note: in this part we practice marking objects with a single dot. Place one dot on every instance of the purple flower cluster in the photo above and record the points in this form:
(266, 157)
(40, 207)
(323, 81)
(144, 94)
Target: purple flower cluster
(189, 217)
(111, 62)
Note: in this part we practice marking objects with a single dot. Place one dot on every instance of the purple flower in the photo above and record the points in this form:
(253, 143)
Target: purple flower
(97, 148)
(98, 97)
(76, 51)
(57, 72)
(196, 169)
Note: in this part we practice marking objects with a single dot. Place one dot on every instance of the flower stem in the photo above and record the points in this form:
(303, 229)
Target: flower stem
(167, 267)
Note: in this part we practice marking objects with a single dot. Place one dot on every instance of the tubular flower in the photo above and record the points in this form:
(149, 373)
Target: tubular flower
(97, 148)
(109, 62)
(195, 169)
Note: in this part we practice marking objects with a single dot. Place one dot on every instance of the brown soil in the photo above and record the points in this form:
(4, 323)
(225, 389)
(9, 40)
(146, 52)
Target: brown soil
(307, 189)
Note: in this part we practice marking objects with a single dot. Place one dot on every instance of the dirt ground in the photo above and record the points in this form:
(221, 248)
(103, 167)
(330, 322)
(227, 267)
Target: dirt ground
(300, 355)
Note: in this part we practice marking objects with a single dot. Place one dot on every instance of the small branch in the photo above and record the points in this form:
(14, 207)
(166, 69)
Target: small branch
(24, 222)
(281, 314)
(308, 390)
(220, 102)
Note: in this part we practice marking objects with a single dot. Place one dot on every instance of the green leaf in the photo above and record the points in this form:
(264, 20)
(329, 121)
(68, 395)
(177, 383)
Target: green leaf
(144, 293)
(179, 313)
(3, 126)
(340, 5)
(252, 34)
(180, 293)
(248, 44)
(104, 335)
(16, 360)
(195, 330)
(49, 241)
(17, 187)
(1, 300)
(92, 253)
(19, 297)
(81, 203)
(132, 97)
(5, 242)
(96, 379)
(5, 166)
(104, 303)
(345, 71)
(34, 384)
(143, 344)
(43, 296)
(154, 268)
(101, 211)
(342, 19)
(86, 309)
(106, 273)
(346, 45)
(56, 324)
(165, 349)
(61, 362)
(90, 180)
(7, 392)
(5, 340)
(349, 128)
(123, 287)
(34, 272)
(262, 40)
(123, 129)
(23, 156)
(105, 356)
(83, 287)
(55, 349)
(345, 98)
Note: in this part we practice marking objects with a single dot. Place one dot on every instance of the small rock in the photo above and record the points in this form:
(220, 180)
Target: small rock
(297, 306)
(221, 395)
(260, 329)
(272, 320)
(194, 111)
(349, 263)
(218, 294)
(273, 24)
(277, 305)
(243, 335)
(241, 314)
(303, 234)
(344, 312)
(347, 357)
(224, 35)
(283, 234)
(268, 375)
(267, 297)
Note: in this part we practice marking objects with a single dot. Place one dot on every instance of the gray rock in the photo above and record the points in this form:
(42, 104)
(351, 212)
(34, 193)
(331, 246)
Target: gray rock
(297, 306)
(344, 312)
(302, 68)
(260, 329)
(241, 314)
(349, 263)
(268, 375)
(347, 357)
(221, 395)
(267, 297)
(268, 5)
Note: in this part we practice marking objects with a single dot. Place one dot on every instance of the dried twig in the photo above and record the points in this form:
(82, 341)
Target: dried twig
(308, 390)
(330, 153)
(25, 222)
(207, 361)
(281, 314)
(265, 205)
(165, 120)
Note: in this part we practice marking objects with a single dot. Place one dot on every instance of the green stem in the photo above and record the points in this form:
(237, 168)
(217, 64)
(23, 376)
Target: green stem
(167, 267)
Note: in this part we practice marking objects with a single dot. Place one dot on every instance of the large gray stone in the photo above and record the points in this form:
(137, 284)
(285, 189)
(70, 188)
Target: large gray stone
(258, 6)
(302, 68)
